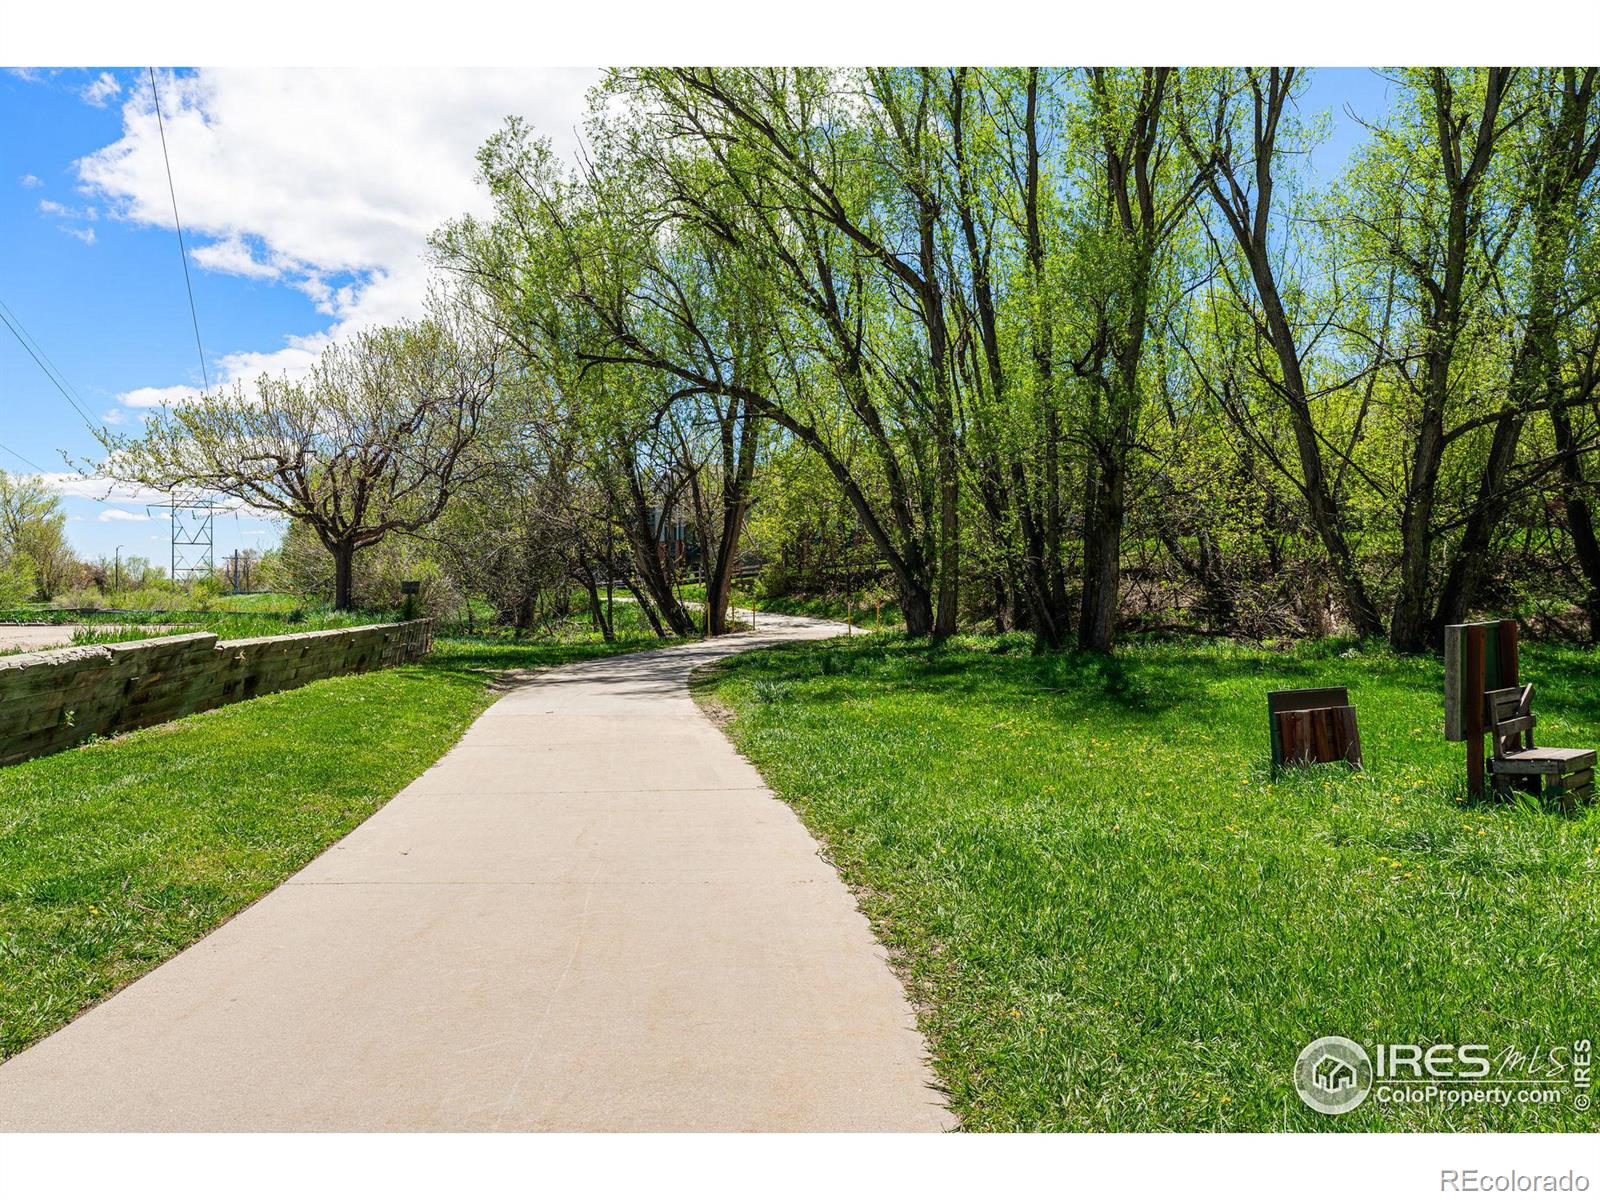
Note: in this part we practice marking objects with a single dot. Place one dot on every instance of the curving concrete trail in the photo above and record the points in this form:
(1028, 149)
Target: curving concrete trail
(590, 914)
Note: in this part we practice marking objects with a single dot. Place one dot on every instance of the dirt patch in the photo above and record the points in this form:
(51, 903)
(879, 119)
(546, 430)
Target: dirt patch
(701, 680)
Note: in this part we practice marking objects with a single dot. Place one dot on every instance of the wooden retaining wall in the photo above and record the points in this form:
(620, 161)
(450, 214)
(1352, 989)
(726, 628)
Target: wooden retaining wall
(57, 698)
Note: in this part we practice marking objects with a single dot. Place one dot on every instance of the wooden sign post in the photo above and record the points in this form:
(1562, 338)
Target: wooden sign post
(1478, 658)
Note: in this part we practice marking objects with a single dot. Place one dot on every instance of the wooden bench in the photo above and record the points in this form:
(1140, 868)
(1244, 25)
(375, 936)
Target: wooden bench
(1549, 772)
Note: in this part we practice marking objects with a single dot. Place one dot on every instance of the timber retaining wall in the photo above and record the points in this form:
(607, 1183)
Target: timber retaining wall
(53, 699)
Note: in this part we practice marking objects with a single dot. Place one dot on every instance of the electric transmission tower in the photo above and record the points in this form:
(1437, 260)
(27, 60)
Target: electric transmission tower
(193, 519)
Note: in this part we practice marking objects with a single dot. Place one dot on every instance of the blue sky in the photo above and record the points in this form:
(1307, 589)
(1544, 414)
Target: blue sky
(306, 196)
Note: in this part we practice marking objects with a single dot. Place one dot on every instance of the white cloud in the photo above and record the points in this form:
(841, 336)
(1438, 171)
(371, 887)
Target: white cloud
(232, 256)
(327, 180)
(53, 208)
(93, 487)
(84, 233)
(106, 490)
(154, 397)
(101, 90)
(31, 181)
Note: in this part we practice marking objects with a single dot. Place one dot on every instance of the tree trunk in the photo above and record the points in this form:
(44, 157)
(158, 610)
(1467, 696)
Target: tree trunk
(647, 608)
(917, 604)
(1102, 557)
(1465, 573)
(1408, 628)
(344, 555)
(597, 615)
(1580, 518)
(738, 470)
(649, 561)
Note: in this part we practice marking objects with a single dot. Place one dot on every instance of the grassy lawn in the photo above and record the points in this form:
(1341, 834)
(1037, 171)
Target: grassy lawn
(116, 855)
(1112, 918)
(225, 625)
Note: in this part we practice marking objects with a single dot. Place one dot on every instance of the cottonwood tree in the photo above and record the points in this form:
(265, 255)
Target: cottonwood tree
(1040, 330)
(1236, 129)
(1142, 190)
(1550, 308)
(33, 540)
(373, 441)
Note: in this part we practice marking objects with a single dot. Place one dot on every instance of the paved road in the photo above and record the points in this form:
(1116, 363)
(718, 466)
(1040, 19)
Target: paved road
(23, 639)
(589, 915)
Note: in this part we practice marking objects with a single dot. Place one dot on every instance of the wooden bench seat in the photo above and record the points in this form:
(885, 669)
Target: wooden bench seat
(1553, 757)
(1556, 773)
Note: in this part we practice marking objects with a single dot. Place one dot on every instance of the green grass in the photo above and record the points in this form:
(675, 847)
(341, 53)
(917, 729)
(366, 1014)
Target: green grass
(116, 855)
(159, 600)
(1111, 917)
(225, 625)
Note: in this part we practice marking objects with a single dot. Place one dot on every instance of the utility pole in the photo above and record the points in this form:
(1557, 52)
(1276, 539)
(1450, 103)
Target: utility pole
(117, 572)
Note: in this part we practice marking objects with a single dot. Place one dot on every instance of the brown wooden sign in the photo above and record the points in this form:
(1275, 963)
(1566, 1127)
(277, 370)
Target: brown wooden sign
(1313, 725)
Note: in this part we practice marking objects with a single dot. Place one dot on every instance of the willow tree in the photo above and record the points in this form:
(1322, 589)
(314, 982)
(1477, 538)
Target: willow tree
(1239, 126)
(650, 341)
(776, 167)
(374, 440)
(1546, 304)
(1141, 189)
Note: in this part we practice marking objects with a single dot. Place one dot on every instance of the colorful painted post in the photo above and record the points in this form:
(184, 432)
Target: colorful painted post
(1474, 715)
(1478, 658)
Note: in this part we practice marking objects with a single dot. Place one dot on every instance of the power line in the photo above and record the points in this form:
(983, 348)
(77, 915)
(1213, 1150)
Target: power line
(183, 253)
(23, 458)
(50, 362)
(26, 342)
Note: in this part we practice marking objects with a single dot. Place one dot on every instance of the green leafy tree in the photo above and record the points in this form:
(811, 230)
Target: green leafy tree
(372, 442)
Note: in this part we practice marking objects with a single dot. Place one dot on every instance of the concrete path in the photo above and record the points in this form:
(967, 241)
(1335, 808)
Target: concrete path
(589, 915)
(24, 639)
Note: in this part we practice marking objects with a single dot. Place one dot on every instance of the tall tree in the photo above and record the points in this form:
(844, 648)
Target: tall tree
(1143, 192)
(1439, 181)
(1234, 138)
(1558, 155)
(33, 539)
(374, 441)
